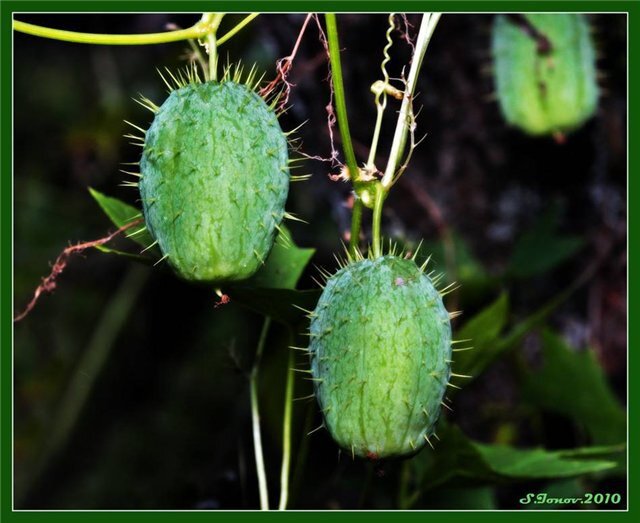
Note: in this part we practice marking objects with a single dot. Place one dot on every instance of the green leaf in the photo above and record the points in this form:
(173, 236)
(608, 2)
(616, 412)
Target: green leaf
(284, 265)
(541, 248)
(121, 213)
(483, 331)
(460, 461)
(473, 365)
(537, 463)
(271, 291)
(572, 383)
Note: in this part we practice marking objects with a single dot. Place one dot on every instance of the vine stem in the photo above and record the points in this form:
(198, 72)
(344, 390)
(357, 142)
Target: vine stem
(343, 125)
(286, 435)
(427, 27)
(255, 417)
(198, 30)
(381, 95)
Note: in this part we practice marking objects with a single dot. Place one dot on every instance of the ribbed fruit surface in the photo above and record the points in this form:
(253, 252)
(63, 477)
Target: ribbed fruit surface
(545, 93)
(215, 180)
(380, 356)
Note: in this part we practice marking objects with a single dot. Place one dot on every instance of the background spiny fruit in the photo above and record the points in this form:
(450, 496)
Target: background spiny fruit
(544, 89)
(214, 179)
(380, 348)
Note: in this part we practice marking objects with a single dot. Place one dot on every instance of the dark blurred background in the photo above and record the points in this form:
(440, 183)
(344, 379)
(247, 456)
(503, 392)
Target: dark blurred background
(130, 386)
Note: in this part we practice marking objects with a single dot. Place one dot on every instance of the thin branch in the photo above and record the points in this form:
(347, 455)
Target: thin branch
(427, 27)
(241, 25)
(286, 434)
(283, 66)
(255, 417)
(196, 31)
(49, 283)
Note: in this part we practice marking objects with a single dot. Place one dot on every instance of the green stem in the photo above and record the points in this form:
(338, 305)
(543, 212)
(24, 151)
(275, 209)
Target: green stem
(212, 22)
(338, 87)
(356, 224)
(377, 219)
(255, 417)
(232, 32)
(427, 27)
(196, 31)
(343, 125)
(286, 434)
(371, 161)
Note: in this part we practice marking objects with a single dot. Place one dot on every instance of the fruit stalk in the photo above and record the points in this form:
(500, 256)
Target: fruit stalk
(212, 21)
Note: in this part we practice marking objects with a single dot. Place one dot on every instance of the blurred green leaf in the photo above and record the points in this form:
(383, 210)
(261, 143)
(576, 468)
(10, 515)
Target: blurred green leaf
(468, 270)
(459, 461)
(603, 451)
(541, 248)
(483, 331)
(475, 365)
(121, 213)
(537, 463)
(572, 383)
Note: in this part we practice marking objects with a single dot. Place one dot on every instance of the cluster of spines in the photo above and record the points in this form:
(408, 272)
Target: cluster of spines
(393, 249)
(232, 72)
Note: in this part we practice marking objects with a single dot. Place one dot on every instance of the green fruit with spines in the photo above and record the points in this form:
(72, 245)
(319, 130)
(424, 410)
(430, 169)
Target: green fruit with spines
(545, 91)
(380, 350)
(214, 178)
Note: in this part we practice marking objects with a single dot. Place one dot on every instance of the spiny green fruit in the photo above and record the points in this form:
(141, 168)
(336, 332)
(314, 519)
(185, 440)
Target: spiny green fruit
(545, 91)
(214, 179)
(380, 349)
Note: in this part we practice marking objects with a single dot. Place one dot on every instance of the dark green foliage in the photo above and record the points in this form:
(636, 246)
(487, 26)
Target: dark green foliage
(215, 178)
(542, 248)
(567, 370)
(462, 461)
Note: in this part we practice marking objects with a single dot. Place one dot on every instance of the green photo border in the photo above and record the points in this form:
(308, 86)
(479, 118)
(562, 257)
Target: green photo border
(8, 7)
